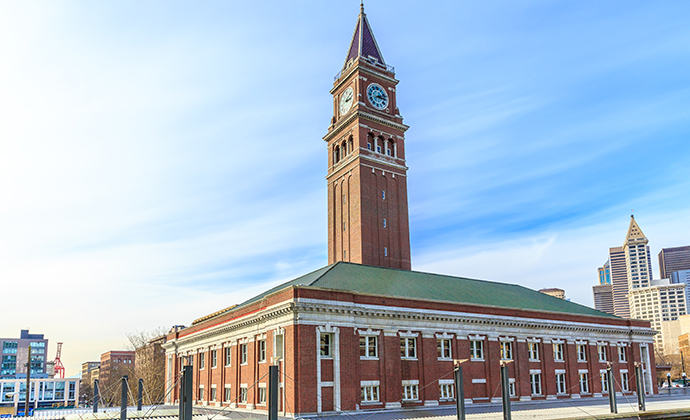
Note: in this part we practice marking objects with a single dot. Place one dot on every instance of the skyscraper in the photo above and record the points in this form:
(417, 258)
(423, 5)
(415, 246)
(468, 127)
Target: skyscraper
(605, 273)
(673, 259)
(603, 298)
(619, 282)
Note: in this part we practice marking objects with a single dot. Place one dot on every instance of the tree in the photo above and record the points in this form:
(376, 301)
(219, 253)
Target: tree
(149, 364)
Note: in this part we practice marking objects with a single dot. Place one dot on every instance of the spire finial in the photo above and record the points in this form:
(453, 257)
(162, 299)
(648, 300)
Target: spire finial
(361, 6)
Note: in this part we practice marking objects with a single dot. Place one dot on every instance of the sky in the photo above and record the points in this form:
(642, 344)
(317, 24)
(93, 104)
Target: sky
(161, 160)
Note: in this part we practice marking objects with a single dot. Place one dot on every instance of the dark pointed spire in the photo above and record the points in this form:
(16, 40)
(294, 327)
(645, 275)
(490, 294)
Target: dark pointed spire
(363, 43)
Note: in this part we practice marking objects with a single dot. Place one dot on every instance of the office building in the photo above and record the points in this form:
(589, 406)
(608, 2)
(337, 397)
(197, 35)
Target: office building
(554, 291)
(658, 302)
(603, 298)
(350, 337)
(115, 364)
(683, 276)
(14, 355)
(605, 274)
(619, 282)
(673, 259)
(52, 392)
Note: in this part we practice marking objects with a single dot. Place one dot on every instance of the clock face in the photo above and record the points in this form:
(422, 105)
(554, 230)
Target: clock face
(346, 100)
(377, 96)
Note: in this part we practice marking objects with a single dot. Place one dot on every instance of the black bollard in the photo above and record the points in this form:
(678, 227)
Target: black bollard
(273, 392)
(612, 390)
(188, 393)
(459, 393)
(640, 388)
(505, 391)
(140, 396)
(95, 395)
(123, 401)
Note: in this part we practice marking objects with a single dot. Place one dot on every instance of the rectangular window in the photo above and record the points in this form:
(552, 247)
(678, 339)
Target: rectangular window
(506, 350)
(384, 222)
(202, 361)
(243, 394)
(584, 383)
(388, 152)
(410, 392)
(560, 383)
(262, 351)
(213, 394)
(214, 359)
(604, 382)
(278, 346)
(201, 392)
(581, 353)
(378, 149)
(443, 347)
(385, 251)
(370, 393)
(243, 354)
(533, 350)
(446, 391)
(228, 356)
(383, 194)
(477, 350)
(228, 394)
(262, 395)
(368, 146)
(622, 355)
(602, 353)
(624, 381)
(511, 387)
(325, 345)
(367, 346)
(558, 352)
(535, 383)
(408, 348)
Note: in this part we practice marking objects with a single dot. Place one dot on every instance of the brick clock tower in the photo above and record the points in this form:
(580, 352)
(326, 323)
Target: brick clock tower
(368, 220)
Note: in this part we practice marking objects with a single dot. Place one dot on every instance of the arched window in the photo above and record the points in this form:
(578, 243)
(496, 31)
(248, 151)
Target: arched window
(390, 148)
(370, 141)
(336, 154)
(379, 144)
(344, 149)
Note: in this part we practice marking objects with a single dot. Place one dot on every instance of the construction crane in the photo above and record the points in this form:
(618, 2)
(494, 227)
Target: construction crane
(57, 363)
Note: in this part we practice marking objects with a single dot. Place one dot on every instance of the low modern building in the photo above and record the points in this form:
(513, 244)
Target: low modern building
(56, 392)
(555, 292)
(14, 355)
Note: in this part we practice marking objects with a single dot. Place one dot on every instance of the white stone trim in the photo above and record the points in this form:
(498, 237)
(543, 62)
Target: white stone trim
(369, 383)
(446, 381)
(479, 381)
(444, 336)
(335, 354)
(410, 382)
(369, 332)
(408, 334)
(476, 337)
(557, 371)
(534, 371)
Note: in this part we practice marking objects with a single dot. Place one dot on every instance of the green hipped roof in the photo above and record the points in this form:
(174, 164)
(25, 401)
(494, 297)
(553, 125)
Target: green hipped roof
(366, 279)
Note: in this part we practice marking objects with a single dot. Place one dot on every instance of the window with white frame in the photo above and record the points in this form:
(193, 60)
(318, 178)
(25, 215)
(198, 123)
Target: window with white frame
(326, 345)
(584, 383)
(512, 391)
(624, 381)
(228, 356)
(535, 383)
(228, 393)
(581, 352)
(410, 390)
(243, 354)
(604, 382)
(408, 347)
(213, 393)
(214, 359)
(369, 391)
(560, 383)
(477, 349)
(622, 354)
(368, 347)
(243, 393)
(443, 348)
(262, 351)
(506, 350)
(201, 392)
(262, 394)
(533, 350)
(602, 353)
(278, 346)
(558, 352)
(446, 389)
(202, 361)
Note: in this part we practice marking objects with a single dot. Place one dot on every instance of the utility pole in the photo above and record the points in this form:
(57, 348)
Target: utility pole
(27, 400)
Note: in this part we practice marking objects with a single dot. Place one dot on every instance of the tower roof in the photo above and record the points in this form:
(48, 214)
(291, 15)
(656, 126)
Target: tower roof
(363, 43)
(634, 231)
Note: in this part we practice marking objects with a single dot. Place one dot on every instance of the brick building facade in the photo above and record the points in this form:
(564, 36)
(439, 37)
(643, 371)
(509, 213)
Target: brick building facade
(366, 332)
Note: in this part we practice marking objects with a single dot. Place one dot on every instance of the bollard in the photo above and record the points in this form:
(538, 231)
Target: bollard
(140, 396)
(459, 393)
(273, 392)
(505, 391)
(123, 401)
(95, 395)
(640, 388)
(188, 393)
(612, 390)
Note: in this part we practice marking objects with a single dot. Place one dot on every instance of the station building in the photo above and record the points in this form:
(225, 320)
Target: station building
(366, 332)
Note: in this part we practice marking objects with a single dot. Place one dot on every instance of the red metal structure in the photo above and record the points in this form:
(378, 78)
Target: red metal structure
(59, 367)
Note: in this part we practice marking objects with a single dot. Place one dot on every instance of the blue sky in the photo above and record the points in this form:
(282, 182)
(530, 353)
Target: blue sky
(162, 160)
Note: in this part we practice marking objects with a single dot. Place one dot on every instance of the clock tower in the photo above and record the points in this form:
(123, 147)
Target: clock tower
(368, 220)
